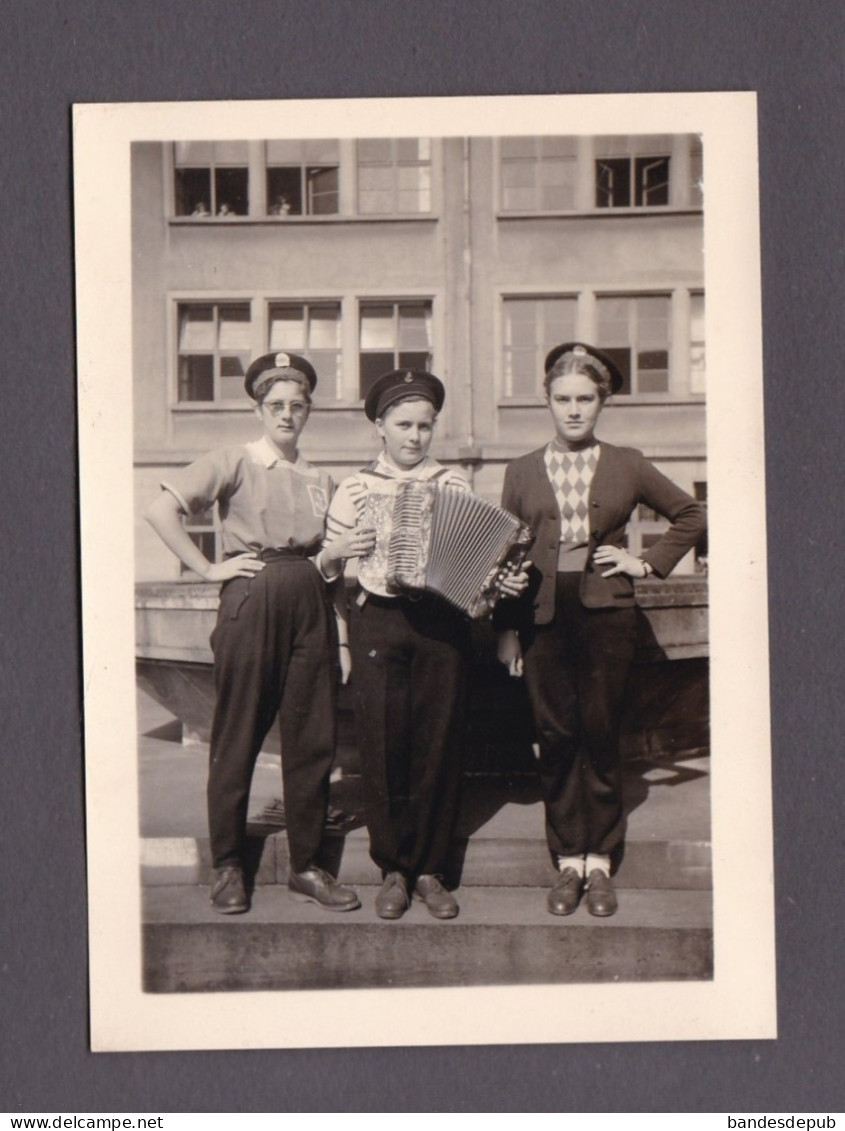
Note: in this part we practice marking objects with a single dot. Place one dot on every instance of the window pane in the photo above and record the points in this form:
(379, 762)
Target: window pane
(234, 328)
(522, 378)
(327, 365)
(230, 187)
(374, 149)
(613, 321)
(414, 327)
(377, 328)
(231, 152)
(622, 358)
(653, 371)
(205, 540)
(370, 367)
(652, 181)
(413, 149)
(284, 191)
(414, 359)
(613, 183)
(414, 189)
(196, 378)
(193, 192)
(558, 146)
(696, 171)
(232, 370)
(518, 192)
(559, 315)
(519, 146)
(557, 185)
(285, 152)
(697, 348)
(520, 318)
(196, 328)
(375, 190)
(194, 152)
(613, 145)
(287, 328)
(322, 151)
(324, 328)
(652, 320)
(322, 186)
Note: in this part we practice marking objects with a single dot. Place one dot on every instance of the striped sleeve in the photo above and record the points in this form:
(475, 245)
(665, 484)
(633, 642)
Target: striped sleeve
(448, 477)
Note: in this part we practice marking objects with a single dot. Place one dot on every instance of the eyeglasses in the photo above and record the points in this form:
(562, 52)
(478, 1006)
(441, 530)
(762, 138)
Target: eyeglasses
(276, 408)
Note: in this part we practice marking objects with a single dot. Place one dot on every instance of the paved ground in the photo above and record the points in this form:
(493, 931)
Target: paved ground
(667, 801)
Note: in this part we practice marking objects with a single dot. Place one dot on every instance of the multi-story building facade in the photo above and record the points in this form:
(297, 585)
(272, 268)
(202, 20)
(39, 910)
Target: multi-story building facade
(467, 256)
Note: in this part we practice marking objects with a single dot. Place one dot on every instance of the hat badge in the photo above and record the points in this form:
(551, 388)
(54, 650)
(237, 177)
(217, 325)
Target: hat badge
(282, 360)
(409, 378)
(580, 351)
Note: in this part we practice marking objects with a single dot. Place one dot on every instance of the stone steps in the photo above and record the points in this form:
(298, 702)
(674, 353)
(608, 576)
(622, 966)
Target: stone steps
(482, 861)
(503, 936)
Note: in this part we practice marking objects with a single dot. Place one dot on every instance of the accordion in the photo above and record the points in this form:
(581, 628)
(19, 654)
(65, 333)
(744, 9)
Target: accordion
(442, 540)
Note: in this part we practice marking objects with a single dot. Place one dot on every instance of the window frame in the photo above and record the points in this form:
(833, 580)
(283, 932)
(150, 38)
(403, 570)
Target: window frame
(307, 304)
(213, 166)
(633, 345)
(394, 164)
(391, 299)
(177, 303)
(512, 295)
(536, 161)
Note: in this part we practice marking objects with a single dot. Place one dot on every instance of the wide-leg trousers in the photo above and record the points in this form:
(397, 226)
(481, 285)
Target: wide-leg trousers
(273, 653)
(409, 672)
(576, 671)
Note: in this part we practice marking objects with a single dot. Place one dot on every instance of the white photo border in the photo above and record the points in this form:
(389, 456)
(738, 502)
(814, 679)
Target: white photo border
(739, 1002)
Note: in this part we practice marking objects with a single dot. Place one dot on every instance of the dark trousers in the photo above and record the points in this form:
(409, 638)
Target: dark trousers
(576, 670)
(273, 652)
(409, 672)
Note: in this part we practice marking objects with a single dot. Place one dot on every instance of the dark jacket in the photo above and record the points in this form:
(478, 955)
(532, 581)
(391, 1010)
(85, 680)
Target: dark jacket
(623, 478)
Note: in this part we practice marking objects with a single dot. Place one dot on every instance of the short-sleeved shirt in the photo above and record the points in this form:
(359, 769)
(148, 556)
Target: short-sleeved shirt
(380, 478)
(265, 502)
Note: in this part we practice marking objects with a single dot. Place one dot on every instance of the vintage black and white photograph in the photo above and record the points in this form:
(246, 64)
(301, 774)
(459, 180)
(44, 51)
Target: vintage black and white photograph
(435, 637)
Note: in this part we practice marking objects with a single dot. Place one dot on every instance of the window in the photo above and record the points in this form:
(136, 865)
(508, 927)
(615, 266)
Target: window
(392, 335)
(202, 530)
(211, 178)
(696, 174)
(701, 551)
(616, 176)
(313, 330)
(538, 174)
(531, 326)
(302, 178)
(636, 332)
(214, 351)
(394, 175)
(696, 346)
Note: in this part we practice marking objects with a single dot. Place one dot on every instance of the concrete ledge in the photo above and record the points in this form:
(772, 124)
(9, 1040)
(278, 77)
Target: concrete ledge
(501, 937)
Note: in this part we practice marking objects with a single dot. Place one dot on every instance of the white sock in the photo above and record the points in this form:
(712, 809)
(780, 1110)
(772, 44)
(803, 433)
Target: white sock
(594, 860)
(576, 862)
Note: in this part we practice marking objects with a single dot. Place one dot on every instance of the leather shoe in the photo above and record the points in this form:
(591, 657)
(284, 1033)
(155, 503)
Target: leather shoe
(439, 902)
(566, 894)
(315, 885)
(601, 898)
(228, 893)
(392, 900)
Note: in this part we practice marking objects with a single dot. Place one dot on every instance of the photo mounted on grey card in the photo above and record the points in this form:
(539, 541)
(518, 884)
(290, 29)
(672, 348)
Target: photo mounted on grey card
(418, 675)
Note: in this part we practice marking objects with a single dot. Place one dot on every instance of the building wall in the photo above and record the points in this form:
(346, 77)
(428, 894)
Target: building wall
(468, 256)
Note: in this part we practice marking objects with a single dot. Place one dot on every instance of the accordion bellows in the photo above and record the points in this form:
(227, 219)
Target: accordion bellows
(443, 540)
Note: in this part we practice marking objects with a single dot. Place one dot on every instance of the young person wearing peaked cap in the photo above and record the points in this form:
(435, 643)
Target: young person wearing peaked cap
(572, 633)
(274, 641)
(410, 658)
